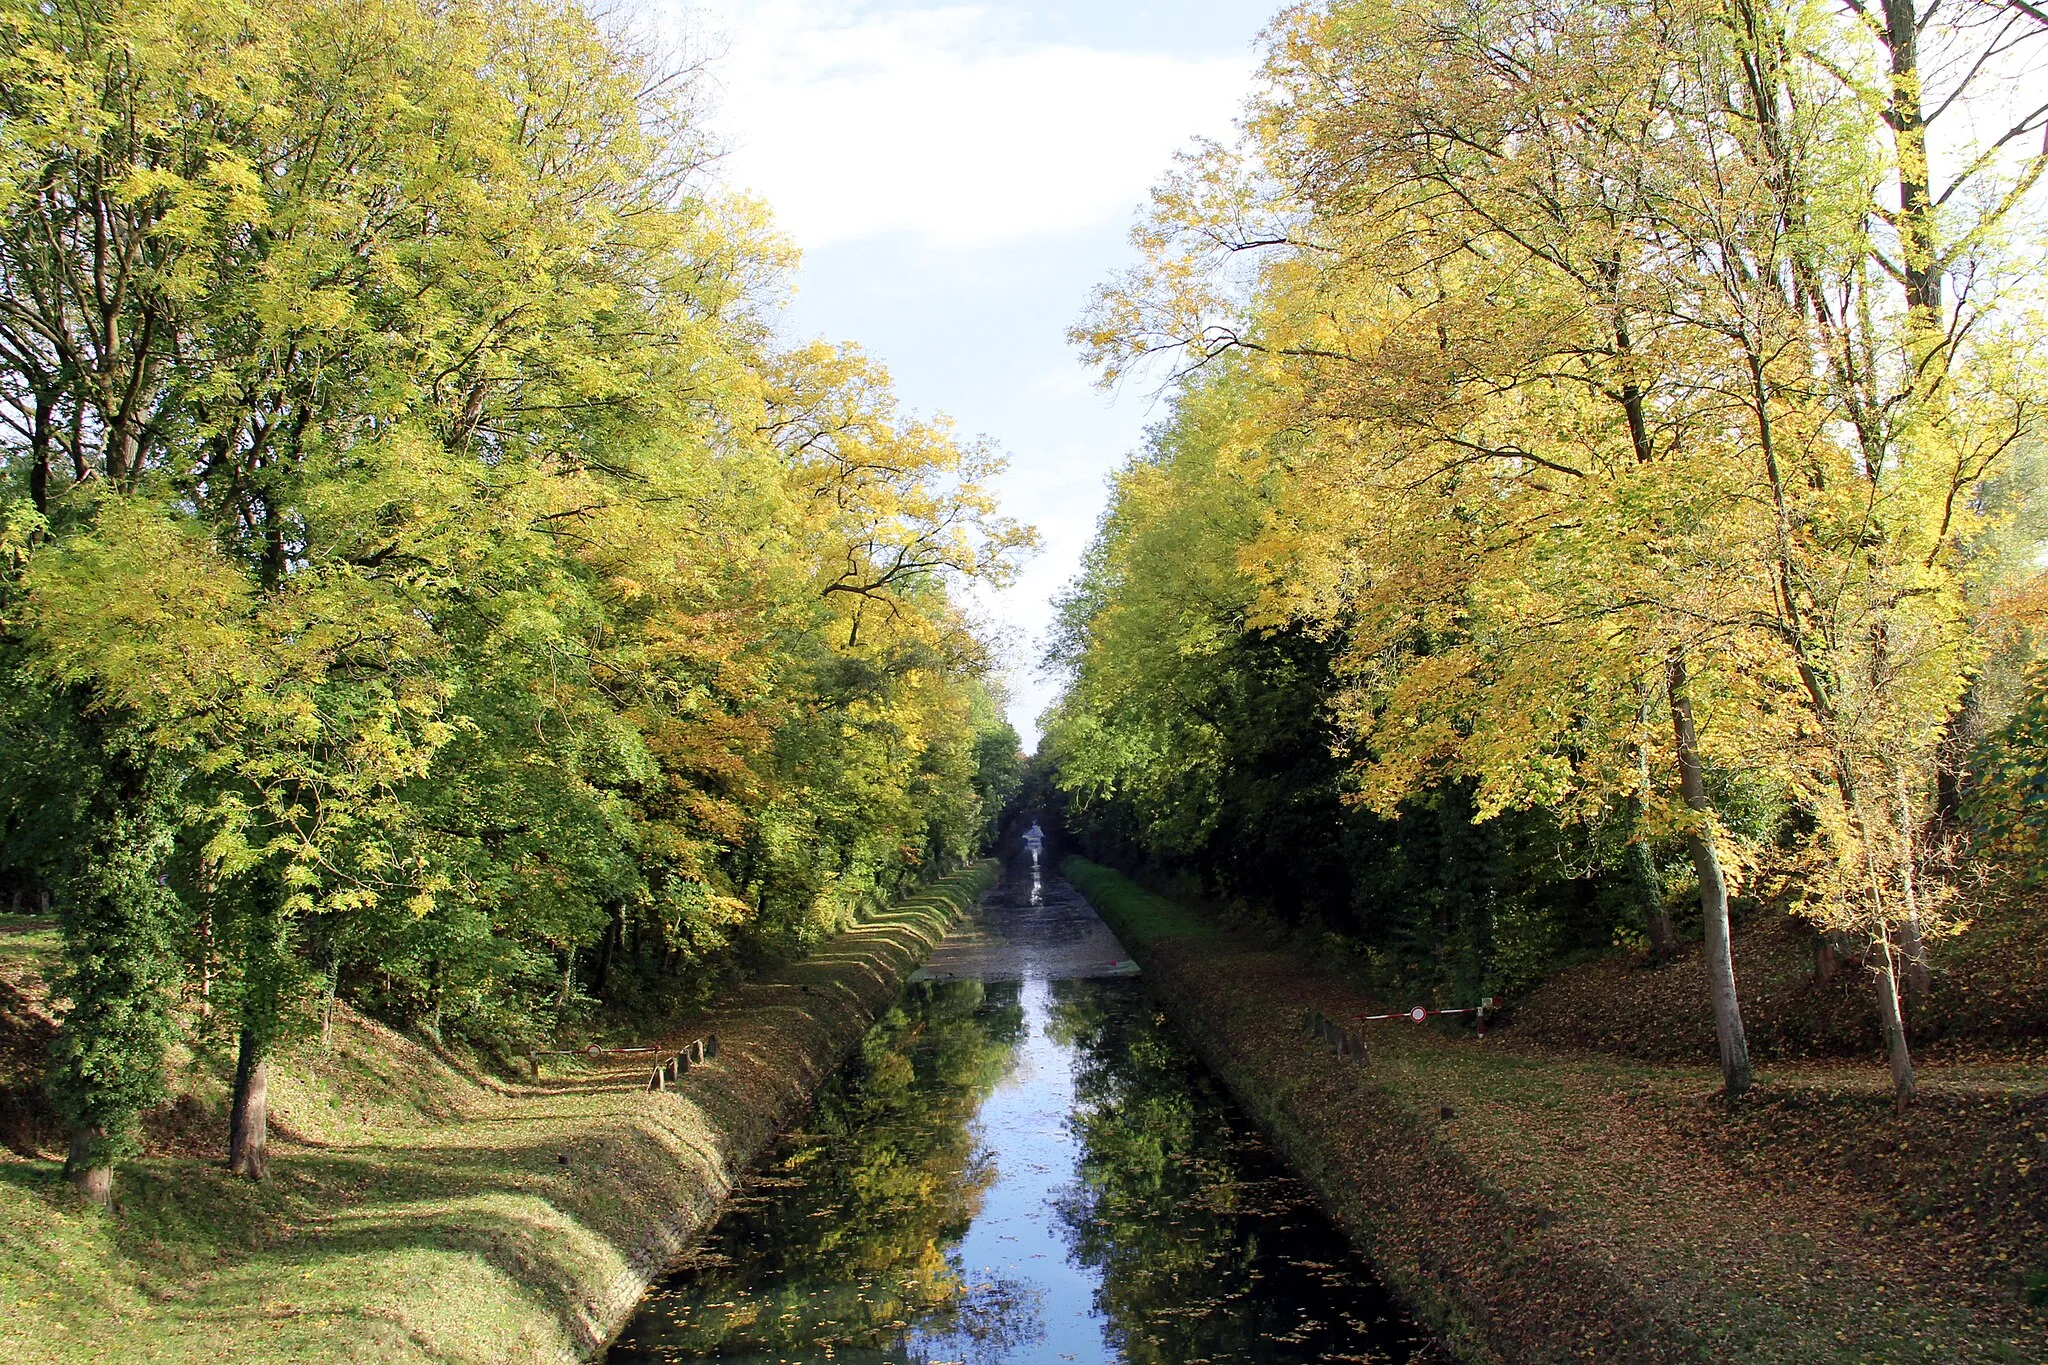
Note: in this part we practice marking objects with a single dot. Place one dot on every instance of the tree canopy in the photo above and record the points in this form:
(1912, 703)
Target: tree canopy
(426, 574)
(1609, 411)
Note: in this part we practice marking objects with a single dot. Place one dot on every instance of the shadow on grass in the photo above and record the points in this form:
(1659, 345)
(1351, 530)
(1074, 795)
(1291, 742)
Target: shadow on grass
(217, 1247)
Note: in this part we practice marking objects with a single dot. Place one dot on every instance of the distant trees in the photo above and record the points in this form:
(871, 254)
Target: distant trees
(419, 568)
(1622, 393)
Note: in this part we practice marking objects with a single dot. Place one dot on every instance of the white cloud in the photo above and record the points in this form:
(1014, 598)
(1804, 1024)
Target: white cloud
(857, 120)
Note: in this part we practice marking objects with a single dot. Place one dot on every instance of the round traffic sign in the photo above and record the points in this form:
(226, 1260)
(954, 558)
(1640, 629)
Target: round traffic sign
(1418, 1014)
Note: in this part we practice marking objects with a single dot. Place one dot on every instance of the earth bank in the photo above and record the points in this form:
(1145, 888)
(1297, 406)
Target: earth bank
(416, 1212)
(1533, 1204)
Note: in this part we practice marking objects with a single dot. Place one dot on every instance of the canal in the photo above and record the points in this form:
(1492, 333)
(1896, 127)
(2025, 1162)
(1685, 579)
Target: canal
(1023, 1163)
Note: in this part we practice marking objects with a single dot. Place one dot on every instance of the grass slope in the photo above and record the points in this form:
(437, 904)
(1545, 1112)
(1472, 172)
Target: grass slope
(418, 1213)
(1538, 1205)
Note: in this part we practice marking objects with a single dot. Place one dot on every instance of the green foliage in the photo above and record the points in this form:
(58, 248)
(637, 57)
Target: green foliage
(120, 972)
(2008, 799)
(533, 642)
(1193, 740)
(1565, 447)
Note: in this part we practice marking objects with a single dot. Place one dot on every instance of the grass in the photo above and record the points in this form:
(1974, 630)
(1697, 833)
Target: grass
(416, 1212)
(1537, 1204)
(1135, 914)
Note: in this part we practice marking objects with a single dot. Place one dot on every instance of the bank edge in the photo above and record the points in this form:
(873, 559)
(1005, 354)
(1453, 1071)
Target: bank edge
(563, 1200)
(1468, 1259)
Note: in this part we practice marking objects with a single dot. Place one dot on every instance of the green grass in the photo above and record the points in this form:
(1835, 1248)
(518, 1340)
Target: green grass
(418, 1213)
(28, 941)
(1139, 918)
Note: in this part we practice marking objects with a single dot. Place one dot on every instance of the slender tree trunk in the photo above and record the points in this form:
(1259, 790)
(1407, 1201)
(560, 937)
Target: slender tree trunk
(568, 990)
(1913, 947)
(205, 937)
(1650, 891)
(1891, 1018)
(120, 966)
(249, 1112)
(613, 942)
(1906, 112)
(90, 1172)
(1706, 861)
(1642, 861)
(39, 464)
(1835, 949)
(434, 1000)
(1959, 735)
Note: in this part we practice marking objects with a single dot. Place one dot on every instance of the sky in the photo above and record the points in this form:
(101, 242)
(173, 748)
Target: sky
(959, 177)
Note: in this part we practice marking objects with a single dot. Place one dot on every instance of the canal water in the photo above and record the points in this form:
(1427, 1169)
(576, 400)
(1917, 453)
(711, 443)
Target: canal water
(1023, 1163)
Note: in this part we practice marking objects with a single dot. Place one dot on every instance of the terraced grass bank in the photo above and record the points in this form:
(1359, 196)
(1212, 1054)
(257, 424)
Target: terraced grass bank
(1534, 1204)
(417, 1213)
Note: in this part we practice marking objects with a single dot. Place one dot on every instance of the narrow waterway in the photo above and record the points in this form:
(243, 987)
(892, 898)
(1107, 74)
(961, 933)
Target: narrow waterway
(1023, 1164)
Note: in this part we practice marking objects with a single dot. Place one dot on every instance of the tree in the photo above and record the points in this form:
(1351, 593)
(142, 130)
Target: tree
(402, 476)
(1578, 392)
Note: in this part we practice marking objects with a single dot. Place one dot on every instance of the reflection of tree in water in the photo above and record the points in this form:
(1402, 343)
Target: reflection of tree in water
(1208, 1250)
(840, 1245)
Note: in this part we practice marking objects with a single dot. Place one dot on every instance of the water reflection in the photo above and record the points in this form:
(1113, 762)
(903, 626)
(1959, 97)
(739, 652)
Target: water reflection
(839, 1244)
(1034, 844)
(1022, 1171)
(1206, 1247)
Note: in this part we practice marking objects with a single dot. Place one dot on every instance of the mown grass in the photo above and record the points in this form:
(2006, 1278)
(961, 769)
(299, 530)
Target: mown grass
(419, 1213)
(1134, 914)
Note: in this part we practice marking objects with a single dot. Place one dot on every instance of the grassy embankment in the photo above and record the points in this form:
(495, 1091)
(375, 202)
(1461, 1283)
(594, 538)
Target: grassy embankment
(1534, 1204)
(418, 1212)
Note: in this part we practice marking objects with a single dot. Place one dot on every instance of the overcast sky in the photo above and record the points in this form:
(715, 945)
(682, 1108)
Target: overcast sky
(959, 177)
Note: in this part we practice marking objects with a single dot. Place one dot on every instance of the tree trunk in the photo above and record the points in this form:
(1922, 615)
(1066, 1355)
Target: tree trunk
(1919, 980)
(1650, 891)
(1959, 735)
(1912, 946)
(1905, 110)
(609, 947)
(1893, 1021)
(568, 981)
(120, 921)
(205, 936)
(91, 1174)
(41, 435)
(1706, 861)
(1836, 949)
(249, 1114)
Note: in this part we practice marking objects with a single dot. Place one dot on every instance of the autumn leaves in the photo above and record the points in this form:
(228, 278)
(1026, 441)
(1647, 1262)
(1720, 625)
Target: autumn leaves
(1585, 378)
